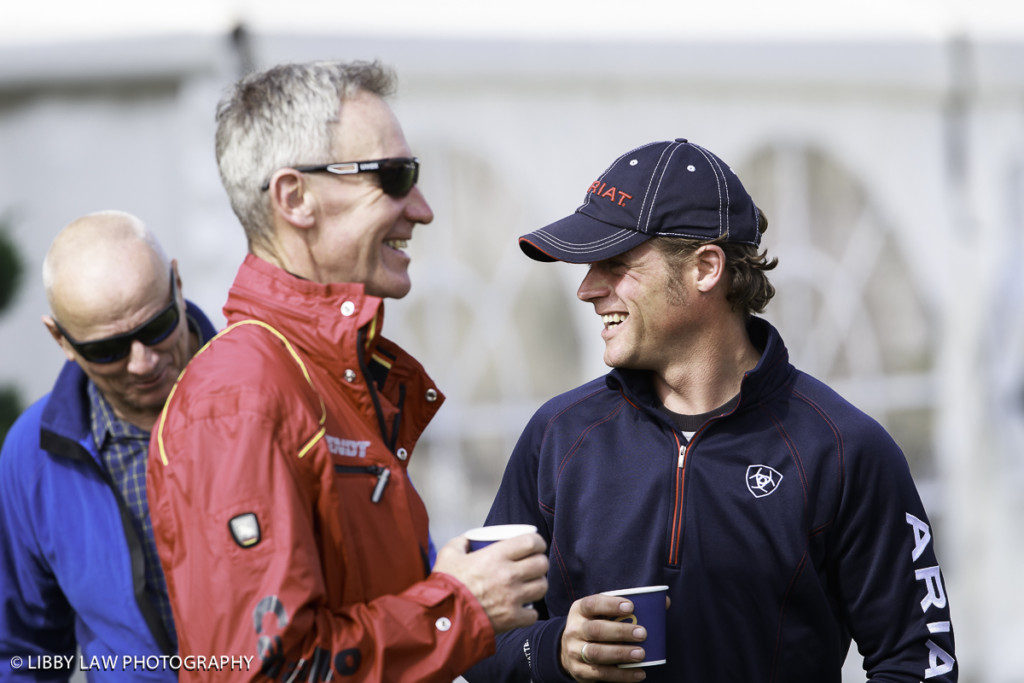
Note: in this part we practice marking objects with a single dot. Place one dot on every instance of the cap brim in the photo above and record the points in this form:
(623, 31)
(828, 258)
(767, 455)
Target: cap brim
(579, 239)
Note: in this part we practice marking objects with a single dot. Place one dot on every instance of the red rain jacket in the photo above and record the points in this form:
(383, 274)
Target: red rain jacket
(286, 524)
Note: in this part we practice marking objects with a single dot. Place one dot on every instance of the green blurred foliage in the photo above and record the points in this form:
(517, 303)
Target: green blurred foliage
(11, 268)
(11, 271)
(10, 408)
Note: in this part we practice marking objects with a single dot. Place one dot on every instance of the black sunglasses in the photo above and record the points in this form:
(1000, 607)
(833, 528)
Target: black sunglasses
(398, 175)
(150, 333)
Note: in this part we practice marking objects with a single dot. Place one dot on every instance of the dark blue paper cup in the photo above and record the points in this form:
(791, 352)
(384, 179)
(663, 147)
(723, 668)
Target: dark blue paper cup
(649, 612)
(483, 536)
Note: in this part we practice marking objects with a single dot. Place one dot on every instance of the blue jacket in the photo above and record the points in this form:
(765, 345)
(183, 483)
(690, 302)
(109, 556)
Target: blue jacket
(785, 527)
(71, 562)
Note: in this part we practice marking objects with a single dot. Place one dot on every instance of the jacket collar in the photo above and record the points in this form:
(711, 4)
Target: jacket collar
(322, 320)
(64, 426)
(338, 326)
(770, 374)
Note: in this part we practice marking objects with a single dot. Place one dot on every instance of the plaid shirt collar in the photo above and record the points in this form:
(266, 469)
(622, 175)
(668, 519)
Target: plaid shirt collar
(106, 425)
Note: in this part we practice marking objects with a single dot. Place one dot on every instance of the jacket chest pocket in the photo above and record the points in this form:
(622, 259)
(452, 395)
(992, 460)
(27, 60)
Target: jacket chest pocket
(376, 476)
(375, 535)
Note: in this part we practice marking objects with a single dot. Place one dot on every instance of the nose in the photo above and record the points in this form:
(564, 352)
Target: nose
(142, 360)
(594, 286)
(416, 208)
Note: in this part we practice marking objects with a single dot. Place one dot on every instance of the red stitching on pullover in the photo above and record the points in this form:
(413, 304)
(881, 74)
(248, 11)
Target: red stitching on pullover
(563, 569)
(583, 435)
(793, 451)
(782, 613)
(840, 448)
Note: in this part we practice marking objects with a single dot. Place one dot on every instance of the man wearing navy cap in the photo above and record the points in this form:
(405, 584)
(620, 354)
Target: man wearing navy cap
(784, 520)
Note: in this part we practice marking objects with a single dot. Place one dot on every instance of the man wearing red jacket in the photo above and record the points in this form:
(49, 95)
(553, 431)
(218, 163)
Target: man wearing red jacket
(286, 523)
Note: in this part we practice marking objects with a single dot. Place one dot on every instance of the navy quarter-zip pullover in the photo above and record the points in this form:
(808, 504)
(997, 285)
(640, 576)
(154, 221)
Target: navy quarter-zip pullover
(784, 529)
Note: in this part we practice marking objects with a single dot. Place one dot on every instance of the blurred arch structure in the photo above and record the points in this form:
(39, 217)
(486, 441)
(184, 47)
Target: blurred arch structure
(848, 303)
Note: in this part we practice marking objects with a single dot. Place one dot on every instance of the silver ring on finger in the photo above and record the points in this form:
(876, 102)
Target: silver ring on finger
(583, 654)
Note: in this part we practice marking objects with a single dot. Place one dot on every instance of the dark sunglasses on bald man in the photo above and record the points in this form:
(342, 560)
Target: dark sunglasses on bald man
(150, 333)
(397, 175)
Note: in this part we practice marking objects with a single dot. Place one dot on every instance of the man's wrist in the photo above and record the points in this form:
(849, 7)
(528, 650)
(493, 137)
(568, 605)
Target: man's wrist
(546, 662)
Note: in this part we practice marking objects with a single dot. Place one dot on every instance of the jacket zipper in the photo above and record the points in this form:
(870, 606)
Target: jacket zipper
(677, 508)
(383, 475)
(390, 440)
(676, 542)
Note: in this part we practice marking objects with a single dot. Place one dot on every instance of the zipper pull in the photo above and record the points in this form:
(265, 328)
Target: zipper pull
(382, 481)
(682, 457)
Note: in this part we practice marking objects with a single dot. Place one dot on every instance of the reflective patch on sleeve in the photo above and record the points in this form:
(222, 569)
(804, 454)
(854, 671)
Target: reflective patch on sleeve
(245, 529)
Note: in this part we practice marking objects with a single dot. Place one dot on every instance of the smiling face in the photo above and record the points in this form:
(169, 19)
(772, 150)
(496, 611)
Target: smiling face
(362, 233)
(646, 309)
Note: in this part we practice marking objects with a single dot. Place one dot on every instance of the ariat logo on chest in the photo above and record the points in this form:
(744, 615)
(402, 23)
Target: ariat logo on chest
(763, 480)
(338, 446)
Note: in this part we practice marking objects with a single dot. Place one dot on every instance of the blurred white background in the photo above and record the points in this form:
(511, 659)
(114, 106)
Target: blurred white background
(885, 141)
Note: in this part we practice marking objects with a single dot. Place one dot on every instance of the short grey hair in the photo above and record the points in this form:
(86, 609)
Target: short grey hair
(284, 117)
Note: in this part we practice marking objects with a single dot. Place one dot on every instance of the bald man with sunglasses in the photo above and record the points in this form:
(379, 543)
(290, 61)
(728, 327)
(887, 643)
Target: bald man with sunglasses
(78, 565)
(287, 525)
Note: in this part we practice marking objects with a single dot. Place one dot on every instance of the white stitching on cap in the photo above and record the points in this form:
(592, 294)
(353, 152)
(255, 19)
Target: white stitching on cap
(592, 247)
(586, 247)
(718, 181)
(640, 216)
(664, 169)
(680, 234)
(728, 199)
(554, 239)
(720, 175)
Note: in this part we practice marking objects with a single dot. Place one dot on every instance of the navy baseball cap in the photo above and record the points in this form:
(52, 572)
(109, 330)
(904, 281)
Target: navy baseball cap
(671, 189)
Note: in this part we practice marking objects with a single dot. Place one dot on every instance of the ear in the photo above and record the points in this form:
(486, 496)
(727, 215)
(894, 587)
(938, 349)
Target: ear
(291, 198)
(709, 261)
(51, 327)
(177, 275)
